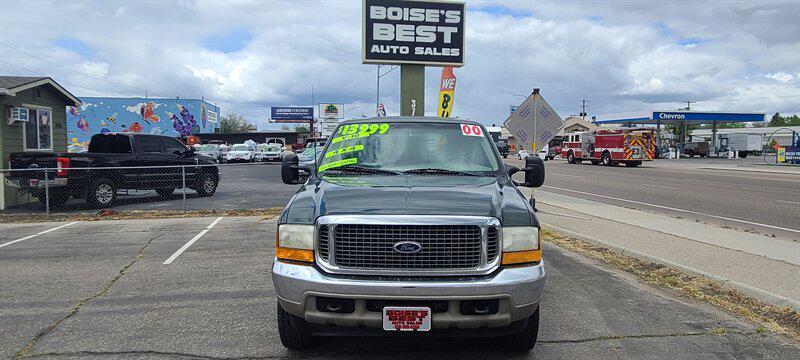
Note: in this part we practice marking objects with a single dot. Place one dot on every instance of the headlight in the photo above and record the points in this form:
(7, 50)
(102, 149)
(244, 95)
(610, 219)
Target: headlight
(521, 245)
(295, 242)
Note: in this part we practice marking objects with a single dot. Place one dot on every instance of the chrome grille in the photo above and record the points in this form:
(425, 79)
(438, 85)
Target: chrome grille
(491, 243)
(323, 241)
(372, 246)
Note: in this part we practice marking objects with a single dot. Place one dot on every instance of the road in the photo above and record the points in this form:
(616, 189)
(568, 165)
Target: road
(768, 203)
(102, 289)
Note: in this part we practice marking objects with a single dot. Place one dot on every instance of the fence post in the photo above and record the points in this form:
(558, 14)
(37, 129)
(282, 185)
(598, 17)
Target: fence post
(46, 193)
(183, 190)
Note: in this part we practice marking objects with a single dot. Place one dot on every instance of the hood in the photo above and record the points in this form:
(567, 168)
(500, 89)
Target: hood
(238, 153)
(409, 195)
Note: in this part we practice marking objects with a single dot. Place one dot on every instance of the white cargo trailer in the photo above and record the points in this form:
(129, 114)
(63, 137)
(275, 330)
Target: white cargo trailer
(743, 143)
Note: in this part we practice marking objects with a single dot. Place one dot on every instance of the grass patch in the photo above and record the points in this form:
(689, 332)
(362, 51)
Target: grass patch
(783, 321)
(265, 213)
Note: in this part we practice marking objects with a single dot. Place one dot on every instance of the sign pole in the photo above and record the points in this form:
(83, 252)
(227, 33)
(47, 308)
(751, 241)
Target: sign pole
(535, 148)
(412, 90)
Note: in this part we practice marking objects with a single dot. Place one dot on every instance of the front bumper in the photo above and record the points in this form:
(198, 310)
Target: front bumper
(518, 290)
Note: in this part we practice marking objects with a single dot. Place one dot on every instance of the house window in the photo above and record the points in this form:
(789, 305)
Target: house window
(39, 130)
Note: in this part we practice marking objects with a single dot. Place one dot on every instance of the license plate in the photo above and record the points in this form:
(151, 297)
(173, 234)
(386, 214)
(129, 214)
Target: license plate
(406, 318)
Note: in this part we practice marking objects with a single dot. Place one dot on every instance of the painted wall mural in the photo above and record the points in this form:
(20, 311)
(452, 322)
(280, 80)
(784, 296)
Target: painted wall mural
(173, 117)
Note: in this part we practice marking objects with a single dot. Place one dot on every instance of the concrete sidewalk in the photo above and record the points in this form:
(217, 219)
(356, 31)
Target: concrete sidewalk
(769, 169)
(762, 267)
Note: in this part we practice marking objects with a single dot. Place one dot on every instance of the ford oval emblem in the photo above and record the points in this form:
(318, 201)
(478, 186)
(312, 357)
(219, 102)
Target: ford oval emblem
(407, 247)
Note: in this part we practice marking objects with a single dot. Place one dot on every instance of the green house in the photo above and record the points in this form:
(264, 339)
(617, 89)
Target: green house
(33, 119)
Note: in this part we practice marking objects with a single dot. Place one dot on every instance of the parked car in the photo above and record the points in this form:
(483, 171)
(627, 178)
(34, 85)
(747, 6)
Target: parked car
(97, 174)
(522, 154)
(212, 150)
(502, 147)
(268, 152)
(411, 226)
(306, 158)
(240, 153)
(699, 148)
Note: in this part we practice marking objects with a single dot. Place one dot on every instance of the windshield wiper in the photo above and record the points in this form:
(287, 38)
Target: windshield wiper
(363, 170)
(438, 171)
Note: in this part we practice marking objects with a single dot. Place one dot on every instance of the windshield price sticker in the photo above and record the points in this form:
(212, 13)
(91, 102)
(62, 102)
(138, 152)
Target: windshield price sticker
(471, 130)
(357, 131)
(339, 163)
(406, 318)
(344, 150)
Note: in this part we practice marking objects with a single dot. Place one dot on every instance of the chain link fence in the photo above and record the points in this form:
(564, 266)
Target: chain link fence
(188, 187)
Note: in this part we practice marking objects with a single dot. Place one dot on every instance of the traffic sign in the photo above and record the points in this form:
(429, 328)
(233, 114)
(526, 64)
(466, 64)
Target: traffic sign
(534, 123)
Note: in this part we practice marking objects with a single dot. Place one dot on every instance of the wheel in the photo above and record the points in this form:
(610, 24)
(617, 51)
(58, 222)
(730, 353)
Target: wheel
(570, 157)
(606, 159)
(595, 162)
(505, 156)
(292, 337)
(57, 198)
(525, 340)
(101, 193)
(165, 192)
(206, 184)
(742, 154)
(552, 157)
(690, 153)
(545, 158)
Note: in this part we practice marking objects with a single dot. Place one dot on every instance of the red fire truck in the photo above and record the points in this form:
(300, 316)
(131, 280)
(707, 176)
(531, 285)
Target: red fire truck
(610, 147)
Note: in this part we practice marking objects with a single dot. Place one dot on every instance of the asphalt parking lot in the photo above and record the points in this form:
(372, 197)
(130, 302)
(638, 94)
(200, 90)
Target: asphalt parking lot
(103, 289)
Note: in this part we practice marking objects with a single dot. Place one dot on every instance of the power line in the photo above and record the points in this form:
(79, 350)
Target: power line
(72, 70)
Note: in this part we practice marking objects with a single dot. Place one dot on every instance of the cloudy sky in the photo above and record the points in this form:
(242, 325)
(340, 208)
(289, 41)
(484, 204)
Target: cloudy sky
(622, 56)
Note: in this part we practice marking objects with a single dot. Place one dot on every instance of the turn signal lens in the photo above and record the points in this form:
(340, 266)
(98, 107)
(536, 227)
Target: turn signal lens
(294, 254)
(522, 257)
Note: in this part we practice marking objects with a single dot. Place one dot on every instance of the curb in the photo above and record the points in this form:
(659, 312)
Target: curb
(759, 294)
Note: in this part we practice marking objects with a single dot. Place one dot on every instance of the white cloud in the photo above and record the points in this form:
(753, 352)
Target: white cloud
(628, 58)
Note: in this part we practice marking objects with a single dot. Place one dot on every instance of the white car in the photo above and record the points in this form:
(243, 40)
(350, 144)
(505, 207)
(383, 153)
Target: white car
(240, 153)
(522, 154)
(268, 152)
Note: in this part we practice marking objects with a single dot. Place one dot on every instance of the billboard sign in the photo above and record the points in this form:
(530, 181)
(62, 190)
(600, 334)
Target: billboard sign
(291, 114)
(447, 90)
(534, 123)
(413, 32)
(331, 111)
(327, 127)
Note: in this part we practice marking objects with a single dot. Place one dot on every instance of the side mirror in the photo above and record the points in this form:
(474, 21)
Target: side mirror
(511, 170)
(290, 173)
(534, 171)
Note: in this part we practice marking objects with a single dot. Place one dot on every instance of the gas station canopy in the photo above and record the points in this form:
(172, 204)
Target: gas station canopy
(678, 117)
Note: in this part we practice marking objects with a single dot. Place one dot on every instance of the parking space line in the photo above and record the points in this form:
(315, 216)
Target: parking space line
(37, 234)
(192, 241)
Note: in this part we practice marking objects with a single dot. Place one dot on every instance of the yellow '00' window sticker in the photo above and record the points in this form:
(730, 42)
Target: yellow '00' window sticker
(357, 131)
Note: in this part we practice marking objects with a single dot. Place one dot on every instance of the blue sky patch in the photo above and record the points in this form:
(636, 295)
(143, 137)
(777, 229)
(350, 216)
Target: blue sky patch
(229, 42)
(504, 11)
(663, 29)
(692, 41)
(75, 46)
(596, 18)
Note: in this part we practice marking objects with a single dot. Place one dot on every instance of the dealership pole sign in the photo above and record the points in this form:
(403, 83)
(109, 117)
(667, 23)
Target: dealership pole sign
(413, 32)
(291, 114)
(331, 111)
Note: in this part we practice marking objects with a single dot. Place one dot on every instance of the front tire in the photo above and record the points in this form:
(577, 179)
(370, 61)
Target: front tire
(526, 339)
(101, 193)
(291, 337)
(571, 157)
(206, 184)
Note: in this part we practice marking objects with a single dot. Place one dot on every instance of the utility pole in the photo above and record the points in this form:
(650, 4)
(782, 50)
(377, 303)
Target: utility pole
(689, 104)
(583, 108)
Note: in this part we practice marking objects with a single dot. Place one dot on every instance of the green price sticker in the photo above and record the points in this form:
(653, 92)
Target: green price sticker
(339, 163)
(344, 150)
(357, 131)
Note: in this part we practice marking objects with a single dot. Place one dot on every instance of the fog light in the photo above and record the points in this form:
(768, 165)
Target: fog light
(336, 305)
(479, 307)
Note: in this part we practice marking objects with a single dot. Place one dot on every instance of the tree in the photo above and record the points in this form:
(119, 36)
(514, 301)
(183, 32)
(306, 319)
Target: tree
(783, 121)
(301, 129)
(777, 120)
(231, 122)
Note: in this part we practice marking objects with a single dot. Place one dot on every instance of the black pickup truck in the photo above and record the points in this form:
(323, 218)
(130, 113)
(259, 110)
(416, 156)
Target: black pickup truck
(113, 162)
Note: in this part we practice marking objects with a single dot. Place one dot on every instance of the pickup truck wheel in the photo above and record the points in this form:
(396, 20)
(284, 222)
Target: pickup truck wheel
(526, 339)
(101, 193)
(165, 192)
(292, 337)
(206, 184)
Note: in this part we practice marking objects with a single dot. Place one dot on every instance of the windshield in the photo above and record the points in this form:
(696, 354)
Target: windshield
(209, 147)
(240, 148)
(410, 146)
